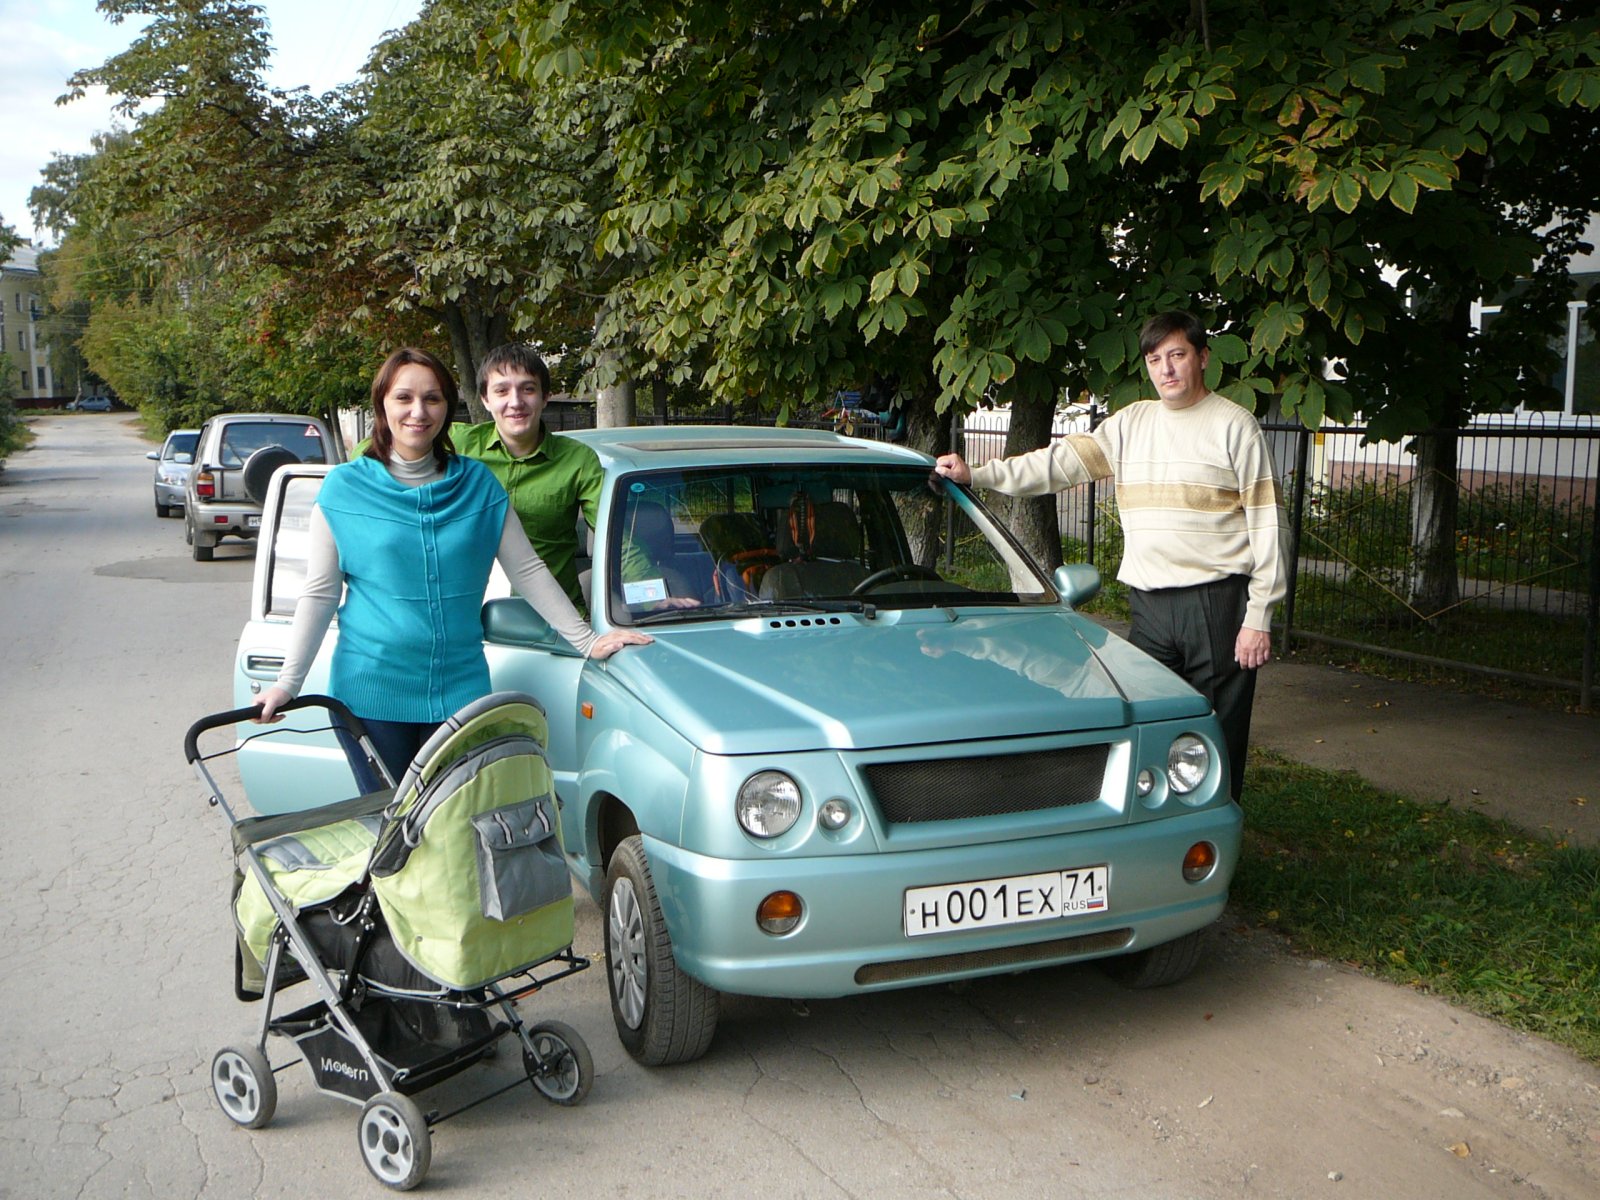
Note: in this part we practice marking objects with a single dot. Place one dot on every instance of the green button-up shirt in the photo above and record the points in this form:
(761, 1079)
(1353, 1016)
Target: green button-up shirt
(548, 489)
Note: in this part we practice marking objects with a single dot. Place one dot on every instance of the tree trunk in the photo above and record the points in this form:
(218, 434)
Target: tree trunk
(1033, 518)
(615, 405)
(1433, 585)
(927, 430)
(473, 333)
(1435, 492)
(658, 399)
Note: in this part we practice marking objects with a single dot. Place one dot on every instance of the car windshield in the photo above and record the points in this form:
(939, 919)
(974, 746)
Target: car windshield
(699, 545)
(241, 439)
(180, 447)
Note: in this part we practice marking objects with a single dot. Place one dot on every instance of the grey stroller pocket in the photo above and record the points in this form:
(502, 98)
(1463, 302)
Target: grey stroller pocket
(520, 867)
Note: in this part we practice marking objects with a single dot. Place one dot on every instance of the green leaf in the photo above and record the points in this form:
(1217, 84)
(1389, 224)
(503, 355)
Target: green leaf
(1106, 347)
(1140, 146)
(1346, 192)
(1229, 348)
(1403, 193)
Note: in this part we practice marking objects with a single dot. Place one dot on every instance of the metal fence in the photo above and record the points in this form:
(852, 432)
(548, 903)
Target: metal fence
(1524, 603)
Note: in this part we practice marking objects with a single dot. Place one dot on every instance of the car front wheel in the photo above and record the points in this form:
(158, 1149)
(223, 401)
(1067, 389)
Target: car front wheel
(662, 1015)
(1158, 966)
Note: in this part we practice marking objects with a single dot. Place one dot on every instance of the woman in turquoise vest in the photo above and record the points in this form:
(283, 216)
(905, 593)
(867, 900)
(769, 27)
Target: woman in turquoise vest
(407, 534)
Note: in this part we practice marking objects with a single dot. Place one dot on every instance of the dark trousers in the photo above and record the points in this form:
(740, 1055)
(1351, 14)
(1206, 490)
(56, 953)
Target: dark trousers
(396, 742)
(1192, 630)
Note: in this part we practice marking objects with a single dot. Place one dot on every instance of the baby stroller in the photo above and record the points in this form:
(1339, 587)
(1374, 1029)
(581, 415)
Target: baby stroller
(420, 914)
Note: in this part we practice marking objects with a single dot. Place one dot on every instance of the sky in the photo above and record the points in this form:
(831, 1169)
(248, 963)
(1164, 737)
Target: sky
(317, 43)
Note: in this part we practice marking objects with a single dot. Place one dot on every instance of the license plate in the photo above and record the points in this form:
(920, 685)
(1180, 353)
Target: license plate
(252, 522)
(1014, 900)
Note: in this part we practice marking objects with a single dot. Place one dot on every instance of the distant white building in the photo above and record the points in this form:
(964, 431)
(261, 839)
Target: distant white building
(21, 306)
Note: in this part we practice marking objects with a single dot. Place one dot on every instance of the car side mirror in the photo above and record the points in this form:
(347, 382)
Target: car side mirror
(183, 456)
(1077, 582)
(511, 621)
(154, 455)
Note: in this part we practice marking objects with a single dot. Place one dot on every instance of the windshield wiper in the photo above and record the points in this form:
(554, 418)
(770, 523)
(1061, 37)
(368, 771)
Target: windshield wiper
(745, 608)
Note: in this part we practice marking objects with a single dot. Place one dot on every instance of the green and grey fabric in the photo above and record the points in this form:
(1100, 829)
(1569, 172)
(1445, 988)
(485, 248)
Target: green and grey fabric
(467, 863)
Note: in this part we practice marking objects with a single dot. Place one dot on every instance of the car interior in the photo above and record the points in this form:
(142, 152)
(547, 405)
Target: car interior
(746, 536)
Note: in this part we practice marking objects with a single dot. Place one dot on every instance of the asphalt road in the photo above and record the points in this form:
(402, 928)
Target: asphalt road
(1265, 1074)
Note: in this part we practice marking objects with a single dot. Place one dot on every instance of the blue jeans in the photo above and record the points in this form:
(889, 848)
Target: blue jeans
(396, 742)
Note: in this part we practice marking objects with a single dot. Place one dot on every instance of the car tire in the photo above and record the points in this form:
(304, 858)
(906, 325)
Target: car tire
(1169, 963)
(163, 510)
(202, 551)
(662, 1015)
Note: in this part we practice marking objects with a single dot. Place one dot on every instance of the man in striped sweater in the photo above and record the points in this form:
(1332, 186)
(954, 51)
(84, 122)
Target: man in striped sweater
(1205, 537)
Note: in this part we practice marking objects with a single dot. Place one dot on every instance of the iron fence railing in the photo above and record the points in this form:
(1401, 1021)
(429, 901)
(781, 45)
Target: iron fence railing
(1523, 600)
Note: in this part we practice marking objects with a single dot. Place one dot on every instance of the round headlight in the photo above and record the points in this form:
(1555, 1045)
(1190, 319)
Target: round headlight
(1144, 782)
(769, 804)
(1188, 760)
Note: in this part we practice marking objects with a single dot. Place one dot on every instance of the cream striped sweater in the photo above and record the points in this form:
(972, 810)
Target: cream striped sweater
(1195, 488)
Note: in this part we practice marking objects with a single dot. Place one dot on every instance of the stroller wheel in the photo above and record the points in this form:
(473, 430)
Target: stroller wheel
(395, 1142)
(559, 1065)
(244, 1085)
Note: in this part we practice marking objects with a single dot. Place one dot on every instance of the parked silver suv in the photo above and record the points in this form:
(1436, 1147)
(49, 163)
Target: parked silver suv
(234, 459)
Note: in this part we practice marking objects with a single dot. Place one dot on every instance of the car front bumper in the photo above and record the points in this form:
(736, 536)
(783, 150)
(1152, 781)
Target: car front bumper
(169, 494)
(851, 938)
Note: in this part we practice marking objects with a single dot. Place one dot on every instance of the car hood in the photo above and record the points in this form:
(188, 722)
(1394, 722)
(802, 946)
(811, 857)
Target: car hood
(807, 682)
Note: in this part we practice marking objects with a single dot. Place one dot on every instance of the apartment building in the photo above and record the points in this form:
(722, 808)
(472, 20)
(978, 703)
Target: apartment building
(21, 306)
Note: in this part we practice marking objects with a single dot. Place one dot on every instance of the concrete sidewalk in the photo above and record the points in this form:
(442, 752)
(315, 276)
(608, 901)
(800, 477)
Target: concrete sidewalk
(1538, 768)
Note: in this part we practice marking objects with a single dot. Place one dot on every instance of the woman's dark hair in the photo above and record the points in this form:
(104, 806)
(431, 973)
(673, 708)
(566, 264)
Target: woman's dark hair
(382, 444)
(1163, 325)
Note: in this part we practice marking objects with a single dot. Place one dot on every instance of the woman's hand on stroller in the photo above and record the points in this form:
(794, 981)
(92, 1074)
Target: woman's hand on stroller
(269, 702)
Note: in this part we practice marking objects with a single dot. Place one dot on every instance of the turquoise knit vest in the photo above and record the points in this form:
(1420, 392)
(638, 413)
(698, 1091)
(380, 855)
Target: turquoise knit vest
(416, 561)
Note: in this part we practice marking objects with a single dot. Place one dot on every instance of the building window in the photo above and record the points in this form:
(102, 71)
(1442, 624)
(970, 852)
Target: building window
(44, 383)
(24, 379)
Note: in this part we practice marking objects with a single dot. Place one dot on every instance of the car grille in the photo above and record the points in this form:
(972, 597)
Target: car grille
(949, 789)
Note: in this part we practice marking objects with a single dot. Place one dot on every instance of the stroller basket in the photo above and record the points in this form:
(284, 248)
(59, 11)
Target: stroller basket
(419, 914)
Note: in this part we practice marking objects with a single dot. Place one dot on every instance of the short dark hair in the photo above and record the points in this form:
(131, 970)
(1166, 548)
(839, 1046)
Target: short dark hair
(1163, 325)
(513, 356)
(382, 444)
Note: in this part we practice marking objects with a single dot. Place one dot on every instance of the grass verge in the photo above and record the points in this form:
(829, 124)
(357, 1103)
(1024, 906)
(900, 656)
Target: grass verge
(1436, 898)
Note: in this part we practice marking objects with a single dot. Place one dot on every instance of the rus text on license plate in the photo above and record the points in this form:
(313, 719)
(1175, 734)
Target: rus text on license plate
(252, 522)
(984, 903)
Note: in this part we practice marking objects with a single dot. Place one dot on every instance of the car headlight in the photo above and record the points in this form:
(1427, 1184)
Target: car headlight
(769, 804)
(1188, 760)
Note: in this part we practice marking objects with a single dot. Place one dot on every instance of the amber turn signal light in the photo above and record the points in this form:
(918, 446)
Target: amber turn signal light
(780, 912)
(1199, 862)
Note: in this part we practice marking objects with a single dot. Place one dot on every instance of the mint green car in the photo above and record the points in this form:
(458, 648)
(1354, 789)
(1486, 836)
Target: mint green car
(872, 746)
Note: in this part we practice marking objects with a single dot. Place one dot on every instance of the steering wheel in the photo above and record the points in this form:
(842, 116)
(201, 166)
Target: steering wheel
(905, 571)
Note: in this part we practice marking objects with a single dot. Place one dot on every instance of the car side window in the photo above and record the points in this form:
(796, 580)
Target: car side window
(291, 545)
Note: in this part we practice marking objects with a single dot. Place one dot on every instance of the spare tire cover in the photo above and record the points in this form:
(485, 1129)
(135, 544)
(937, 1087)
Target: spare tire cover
(258, 469)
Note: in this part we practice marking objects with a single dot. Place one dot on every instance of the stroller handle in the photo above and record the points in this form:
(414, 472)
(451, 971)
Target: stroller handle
(191, 748)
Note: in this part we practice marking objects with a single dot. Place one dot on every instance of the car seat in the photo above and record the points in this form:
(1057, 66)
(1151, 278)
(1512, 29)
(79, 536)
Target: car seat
(650, 549)
(823, 541)
(740, 553)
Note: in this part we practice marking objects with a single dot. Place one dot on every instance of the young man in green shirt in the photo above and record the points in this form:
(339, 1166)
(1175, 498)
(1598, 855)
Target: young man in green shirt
(550, 479)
